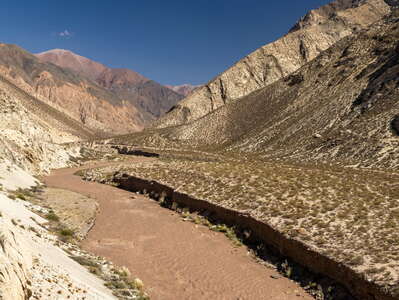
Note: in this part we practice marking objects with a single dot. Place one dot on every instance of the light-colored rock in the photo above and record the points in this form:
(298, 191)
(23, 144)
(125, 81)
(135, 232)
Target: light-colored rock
(316, 32)
(183, 89)
(31, 138)
(15, 263)
(32, 263)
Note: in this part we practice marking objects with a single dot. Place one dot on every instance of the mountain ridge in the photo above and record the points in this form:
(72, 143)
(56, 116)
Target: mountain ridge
(68, 59)
(67, 91)
(184, 89)
(149, 97)
(320, 30)
(339, 108)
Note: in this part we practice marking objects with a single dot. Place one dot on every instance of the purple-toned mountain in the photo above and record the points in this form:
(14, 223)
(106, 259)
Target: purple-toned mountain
(149, 97)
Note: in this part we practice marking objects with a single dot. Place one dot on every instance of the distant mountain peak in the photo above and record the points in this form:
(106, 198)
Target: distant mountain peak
(68, 59)
(148, 96)
(56, 51)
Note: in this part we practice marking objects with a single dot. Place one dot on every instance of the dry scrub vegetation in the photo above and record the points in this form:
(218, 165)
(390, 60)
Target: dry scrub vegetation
(350, 215)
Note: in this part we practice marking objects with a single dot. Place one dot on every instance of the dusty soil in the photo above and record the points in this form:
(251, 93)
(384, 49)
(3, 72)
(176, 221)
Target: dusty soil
(175, 259)
(76, 211)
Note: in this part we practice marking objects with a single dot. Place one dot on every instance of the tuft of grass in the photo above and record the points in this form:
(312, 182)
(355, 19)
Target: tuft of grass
(51, 216)
(85, 261)
(95, 270)
(66, 232)
(20, 196)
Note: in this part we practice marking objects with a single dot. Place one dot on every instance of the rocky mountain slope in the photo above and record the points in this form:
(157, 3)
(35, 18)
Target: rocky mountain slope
(316, 32)
(67, 91)
(183, 89)
(312, 156)
(149, 97)
(31, 132)
(70, 60)
(341, 107)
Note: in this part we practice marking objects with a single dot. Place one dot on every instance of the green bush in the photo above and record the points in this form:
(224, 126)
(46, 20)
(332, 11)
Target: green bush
(51, 216)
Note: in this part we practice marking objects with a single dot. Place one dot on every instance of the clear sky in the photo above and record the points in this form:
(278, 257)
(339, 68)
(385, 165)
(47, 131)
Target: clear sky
(172, 42)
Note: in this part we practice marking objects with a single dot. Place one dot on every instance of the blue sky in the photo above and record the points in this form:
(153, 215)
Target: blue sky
(172, 42)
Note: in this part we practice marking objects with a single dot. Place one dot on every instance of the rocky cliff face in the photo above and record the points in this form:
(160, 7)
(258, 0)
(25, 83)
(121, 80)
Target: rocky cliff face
(31, 132)
(32, 263)
(316, 32)
(15, 262)
(149, 98)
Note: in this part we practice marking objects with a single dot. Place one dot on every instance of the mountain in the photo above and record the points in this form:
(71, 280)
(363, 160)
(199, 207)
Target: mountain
(149, 97)
(314, 33)
(68, 59)
(342, 107)
(319, 144)
(73, 94)
(183, 89)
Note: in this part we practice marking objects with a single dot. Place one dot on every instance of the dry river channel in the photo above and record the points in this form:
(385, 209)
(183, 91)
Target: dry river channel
(175, 259)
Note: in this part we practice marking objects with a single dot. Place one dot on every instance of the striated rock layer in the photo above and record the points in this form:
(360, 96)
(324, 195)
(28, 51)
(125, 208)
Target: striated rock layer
(15, 262)
(31, 132)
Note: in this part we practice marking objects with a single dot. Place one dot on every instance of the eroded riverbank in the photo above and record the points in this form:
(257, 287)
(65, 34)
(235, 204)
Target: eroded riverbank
(175, 259)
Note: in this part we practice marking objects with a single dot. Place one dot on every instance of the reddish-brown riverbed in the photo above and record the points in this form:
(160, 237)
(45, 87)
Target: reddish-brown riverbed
(175, 259)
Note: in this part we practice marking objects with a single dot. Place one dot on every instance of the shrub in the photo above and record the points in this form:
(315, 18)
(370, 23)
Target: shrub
(51, 216)
(84, 261)
(67, 232)
(21, 196)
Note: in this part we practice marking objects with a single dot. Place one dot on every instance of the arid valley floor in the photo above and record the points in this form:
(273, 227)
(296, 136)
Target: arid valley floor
(277, 179)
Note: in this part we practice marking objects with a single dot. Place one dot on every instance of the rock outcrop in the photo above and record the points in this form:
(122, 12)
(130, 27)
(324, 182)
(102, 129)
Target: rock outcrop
(15, 262)
(316, 32)
(32, 137)
(31, 132)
